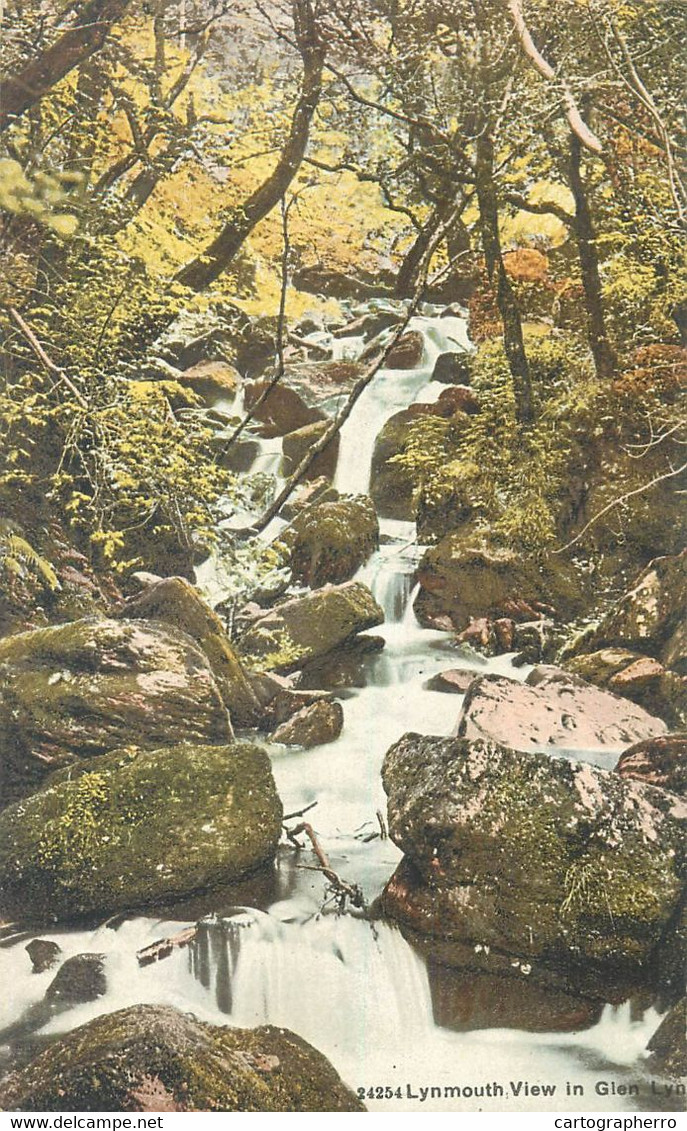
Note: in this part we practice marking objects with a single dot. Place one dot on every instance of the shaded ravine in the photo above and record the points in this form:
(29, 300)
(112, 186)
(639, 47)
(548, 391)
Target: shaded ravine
(355, 989)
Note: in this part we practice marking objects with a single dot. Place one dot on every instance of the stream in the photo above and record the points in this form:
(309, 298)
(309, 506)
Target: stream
(354, 989)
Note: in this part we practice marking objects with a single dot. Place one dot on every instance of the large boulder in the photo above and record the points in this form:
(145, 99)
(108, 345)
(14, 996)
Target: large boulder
(393, 486)
(466, 576)
(330, 541)
(552, 708)
(314, 725)
(81, 689)
(305, 628)
(133, 828)
(308, 391)
(547, 861)
(175, 602)
(154, 1058)
(298, 443)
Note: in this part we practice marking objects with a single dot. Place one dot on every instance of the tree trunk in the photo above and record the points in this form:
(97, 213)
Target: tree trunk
(505, 297)
(602, 351)
(216, 257)
(86, 36)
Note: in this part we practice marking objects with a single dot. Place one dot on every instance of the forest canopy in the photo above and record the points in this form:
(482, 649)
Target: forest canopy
(170, 165)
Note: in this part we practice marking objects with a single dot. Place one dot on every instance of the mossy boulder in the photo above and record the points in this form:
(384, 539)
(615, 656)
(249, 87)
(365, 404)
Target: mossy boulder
(306, 628)
(668, 1047)
(80, 689)
(393, 486)
(133, 827)
(329, 542)
(154, 1058)
(298, 443)
(649, 618)
(551, 862)
(468, 575)
(175, 602)
(211, 380)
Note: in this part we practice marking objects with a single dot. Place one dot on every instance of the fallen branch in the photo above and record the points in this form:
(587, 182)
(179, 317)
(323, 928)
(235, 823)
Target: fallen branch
(620, 501)
(300, 812)
(340, 888)
(164, 947)
(42, 356)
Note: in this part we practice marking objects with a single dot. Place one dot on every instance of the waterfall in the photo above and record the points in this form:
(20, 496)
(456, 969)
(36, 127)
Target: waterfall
(353, 988)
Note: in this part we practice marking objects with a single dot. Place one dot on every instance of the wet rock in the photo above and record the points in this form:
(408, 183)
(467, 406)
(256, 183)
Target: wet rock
(289, 701)
(468, 576)
(554, 863)
(368, 325)
(552, 708)
(43, 953)
(329, 542)
(346, 666)
(658, 761)
(452, 369)
(174, 601)
(305, 628)
(79, 979)
(668, 1046)
(456, 680)
(313, 725)
(468, 1000)
(318, 490)
(155, 1058)
(81, 689)
(407, 353)
(133, 828)
(323, 384)
(282, 411)
(298, 443)
(392, 486)
(238, 456)
(211, 380)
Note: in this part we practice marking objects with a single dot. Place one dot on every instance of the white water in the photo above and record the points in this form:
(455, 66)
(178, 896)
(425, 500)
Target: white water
(389, 392)
(355, 990)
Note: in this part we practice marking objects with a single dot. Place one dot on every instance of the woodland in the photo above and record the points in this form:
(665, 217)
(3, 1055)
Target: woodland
(223, 225)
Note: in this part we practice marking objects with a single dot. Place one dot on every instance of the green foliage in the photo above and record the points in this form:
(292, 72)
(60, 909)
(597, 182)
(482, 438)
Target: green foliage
(18, 559)
(42, 197)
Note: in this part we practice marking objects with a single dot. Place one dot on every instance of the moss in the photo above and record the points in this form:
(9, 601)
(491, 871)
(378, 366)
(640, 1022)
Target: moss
(330, 541)
(134, 827)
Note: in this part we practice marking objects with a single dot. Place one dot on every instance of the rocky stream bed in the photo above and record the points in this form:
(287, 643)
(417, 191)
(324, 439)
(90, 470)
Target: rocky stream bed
(514, 942)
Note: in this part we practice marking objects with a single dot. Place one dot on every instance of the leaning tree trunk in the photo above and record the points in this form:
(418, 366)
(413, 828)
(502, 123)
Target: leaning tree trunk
(602, 351)
(86, 36)
(513, 341)
(216, 257)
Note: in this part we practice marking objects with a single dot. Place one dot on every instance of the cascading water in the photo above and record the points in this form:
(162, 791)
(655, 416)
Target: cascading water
(389, 392)
(355, 989)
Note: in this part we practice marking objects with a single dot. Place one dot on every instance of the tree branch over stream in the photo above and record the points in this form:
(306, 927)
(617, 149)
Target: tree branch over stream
(367, 376)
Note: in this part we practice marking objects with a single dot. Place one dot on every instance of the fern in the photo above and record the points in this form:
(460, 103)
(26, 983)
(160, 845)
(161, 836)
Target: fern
(17, 557)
